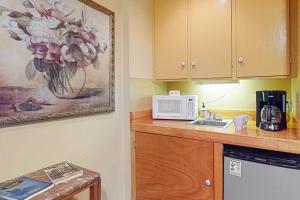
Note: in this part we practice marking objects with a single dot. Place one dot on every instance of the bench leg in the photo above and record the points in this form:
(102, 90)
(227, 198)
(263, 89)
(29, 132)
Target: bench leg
(95, 191)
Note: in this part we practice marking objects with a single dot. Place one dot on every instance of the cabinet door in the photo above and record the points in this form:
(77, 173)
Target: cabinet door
(172, 168)
(261, 30)
(171, 39)
(211, 39)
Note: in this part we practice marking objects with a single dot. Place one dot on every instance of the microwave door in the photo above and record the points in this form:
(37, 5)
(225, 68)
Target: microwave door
(170, 108)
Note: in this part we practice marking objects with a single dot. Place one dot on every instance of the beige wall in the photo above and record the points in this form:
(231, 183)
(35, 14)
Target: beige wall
(142, 86)
(141, 92)
(141, 38)
(99, 142)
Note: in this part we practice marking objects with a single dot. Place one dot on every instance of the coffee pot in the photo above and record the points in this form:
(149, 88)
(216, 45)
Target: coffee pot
(271, 110)
(270, 114)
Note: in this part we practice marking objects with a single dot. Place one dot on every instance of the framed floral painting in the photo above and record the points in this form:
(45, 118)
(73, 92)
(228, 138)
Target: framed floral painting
(56, 59)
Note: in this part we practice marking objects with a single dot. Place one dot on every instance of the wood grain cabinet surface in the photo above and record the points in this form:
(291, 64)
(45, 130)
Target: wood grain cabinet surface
(211, 39)
(171, 168)
(171, 35)
(261, 37)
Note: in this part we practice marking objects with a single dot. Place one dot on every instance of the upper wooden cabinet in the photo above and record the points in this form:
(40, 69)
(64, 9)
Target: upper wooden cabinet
(171, 35)
(172, 168)
(261, 38)
(210, 39)
(192, 37)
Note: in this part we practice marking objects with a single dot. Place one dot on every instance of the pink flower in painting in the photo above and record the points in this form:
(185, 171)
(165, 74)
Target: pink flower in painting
(39, 49)
(66, 54)
(54, 54)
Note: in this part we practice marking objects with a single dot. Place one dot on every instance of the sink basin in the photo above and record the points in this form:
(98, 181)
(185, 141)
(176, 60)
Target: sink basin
(212, 123)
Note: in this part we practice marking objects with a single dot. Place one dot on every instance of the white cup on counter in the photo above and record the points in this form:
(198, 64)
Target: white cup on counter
(240, 122)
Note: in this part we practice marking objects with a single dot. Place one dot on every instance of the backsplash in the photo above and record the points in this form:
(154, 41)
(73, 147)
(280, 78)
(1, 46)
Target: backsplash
(297, 107)
(230, 96)
(141, 92)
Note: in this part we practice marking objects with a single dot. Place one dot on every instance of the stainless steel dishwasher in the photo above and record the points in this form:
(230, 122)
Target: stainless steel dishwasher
(254, 174)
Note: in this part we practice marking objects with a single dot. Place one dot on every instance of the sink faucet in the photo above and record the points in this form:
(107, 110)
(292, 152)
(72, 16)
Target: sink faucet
(209, 115)
(214, 116)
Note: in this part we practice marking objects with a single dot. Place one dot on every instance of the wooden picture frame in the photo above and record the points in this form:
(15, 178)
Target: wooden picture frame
(70, 46)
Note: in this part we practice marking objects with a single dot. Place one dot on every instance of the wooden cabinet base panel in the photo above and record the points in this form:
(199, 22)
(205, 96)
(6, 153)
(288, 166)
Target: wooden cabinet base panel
(171, 168)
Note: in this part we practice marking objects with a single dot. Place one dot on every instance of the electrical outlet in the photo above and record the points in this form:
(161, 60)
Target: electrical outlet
(174, 93)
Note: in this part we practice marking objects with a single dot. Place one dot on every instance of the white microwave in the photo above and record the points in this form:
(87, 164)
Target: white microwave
(175, 107)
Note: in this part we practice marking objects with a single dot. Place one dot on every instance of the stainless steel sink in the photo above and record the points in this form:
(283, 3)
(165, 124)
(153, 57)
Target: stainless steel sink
(212, 123)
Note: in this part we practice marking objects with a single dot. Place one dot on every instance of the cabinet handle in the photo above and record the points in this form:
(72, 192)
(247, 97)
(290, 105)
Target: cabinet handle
(241, 60)
(194, 64)
(182, 65)
(207, 182)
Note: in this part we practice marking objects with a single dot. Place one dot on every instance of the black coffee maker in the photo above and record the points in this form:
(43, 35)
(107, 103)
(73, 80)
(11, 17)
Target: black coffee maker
(271, 110)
